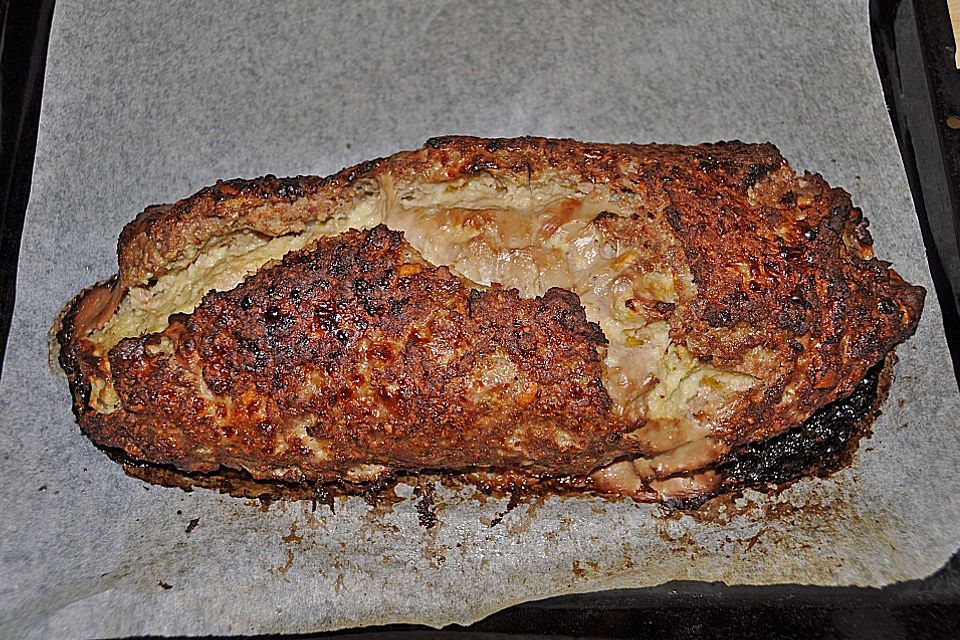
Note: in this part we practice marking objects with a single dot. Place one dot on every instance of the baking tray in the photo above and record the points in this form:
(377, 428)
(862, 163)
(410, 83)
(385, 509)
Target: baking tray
(914, 47)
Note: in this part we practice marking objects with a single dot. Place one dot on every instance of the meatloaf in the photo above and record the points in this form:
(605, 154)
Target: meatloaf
(641, 320)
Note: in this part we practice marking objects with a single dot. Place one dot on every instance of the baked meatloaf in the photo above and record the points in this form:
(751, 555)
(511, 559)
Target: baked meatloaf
(625, 319)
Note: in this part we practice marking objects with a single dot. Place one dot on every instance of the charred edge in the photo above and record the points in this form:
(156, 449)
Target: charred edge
(438, 142)
(68, 356)
(264, 188)
(755, 171)
(241, 484)
(821, 446)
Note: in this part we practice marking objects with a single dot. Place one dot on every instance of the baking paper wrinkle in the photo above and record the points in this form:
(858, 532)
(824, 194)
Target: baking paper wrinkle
(148, 104)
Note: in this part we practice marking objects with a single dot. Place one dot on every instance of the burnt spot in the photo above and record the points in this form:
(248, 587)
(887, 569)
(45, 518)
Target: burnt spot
(709, 164)
(479, 166)
(717, 316)
(439, 142)
(861, 232)
(793, 316)
(225, 189)
(823, 444)
(755, 171)
(325, 316)
(372, 308)
(352, 174)
(362, 287)
(674, 218)
(718, 164)
(272, 315)
(604, 217)
(863, 345)
(887, 307)
(798, 298)
(664, 308)
(474, 302)
(732, 308)
(291, 189)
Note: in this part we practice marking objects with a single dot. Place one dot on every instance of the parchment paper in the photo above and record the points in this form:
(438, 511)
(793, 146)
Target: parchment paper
(148, 102)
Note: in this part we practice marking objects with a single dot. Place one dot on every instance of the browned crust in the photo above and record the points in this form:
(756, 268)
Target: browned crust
(377, 355)
(779, 262)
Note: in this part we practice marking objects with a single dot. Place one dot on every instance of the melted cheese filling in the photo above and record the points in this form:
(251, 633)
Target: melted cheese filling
(528, 237)
(219, 266)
